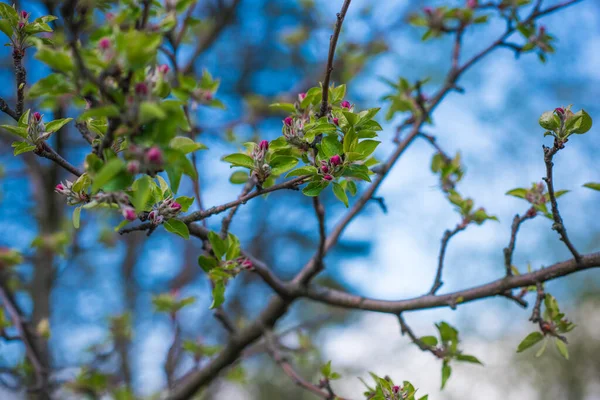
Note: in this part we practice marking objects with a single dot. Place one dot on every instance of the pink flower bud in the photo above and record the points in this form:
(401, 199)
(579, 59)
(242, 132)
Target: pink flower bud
(472, 3)
(247, 264)
(24, 14)
(208, 96)
(37, 117)
(335, 160)
(542, 30)
(324, 168)
(163, 68)
(104, 43)
(345, 104)
(428, 10)
(21, 25)
(141, 89)
(154, 155)
(288, 121)
(129, 213)
(328, 177)
(60, 187)
(175, 206)
(109, 16)
(396, 389)
(336, 121)
(301, 96)
(133, 167)
(264, 145)
(559, 111)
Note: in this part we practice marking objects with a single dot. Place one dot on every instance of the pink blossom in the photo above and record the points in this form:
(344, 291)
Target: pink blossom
(288, 121)
(328, 177)
(24, 14)
(141, 89)
(264, 145)
(163, 68)
(129, 213)
(37, 117)
(104, 43)
(345, 104)
(60, 187)
(133, 167)
(154, 155)
(301, 96)
(472, 3)
(335, 160)
(175, 206)
(336, 121)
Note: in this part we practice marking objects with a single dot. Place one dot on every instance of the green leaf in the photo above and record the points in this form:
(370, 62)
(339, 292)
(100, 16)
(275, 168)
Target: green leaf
(22, 147)
(326, 369)
(233, 249)
(185, 144)
(239, 177)
(549, 121)
(151, 111)
(6, 28)
(287, 107)
(530, 340)
(446, 372)
(519, 192)
(16, 130)
(99, 112)
(55, 59)
(350, 140)
(281, 164)
(76, 215)
(218, 245)
(207, 263)
(366, 148)
(139, 47)
(142, 189)
(542, 349)
(468, 358)
(592, 185)
(313, 189)
(330, 146)
(351, 117)
(306, 170)
(562, 348)
(340, 193)
(218, 293)
(240, 160)
(582, 122)
(55, 125)
(176, 226)
(108, 171)
(185, 202)
(9, 13)
(430, 341)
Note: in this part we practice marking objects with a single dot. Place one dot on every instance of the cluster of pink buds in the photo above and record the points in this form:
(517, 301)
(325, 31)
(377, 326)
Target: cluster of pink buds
(23, 20)
(165, 210)
(148, 160)
(36, 130)
(66, 189)
(328, 168)
(536, 194)
(261, 170)
(293, 132)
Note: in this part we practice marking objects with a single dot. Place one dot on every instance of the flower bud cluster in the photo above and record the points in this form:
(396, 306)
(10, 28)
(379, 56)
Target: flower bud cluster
(293, 132)
(261, 170)
(166, 209)
(66, 189)
(328, 168)
(36, 129)
(144, 160)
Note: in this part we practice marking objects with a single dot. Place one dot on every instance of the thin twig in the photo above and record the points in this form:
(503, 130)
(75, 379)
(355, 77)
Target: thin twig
(558, 225)
(406, 330)
(329, 67)
(44, 150)
(437, 283)
(510, 249)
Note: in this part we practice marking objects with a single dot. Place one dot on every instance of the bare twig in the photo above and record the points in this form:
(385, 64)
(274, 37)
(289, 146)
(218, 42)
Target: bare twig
(406, 330)
(558, 225)
(437, 283)
(510, 249)
(44, 150)
(329, 67)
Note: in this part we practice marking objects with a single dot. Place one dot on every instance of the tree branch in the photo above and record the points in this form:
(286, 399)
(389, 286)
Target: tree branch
(437, 283)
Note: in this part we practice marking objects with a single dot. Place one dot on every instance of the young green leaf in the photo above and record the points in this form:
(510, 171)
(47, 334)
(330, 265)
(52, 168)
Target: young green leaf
(240, 160)
(530, 340)
(177, 227)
